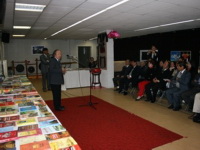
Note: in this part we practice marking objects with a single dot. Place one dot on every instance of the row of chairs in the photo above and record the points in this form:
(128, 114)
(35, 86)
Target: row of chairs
(161, 96)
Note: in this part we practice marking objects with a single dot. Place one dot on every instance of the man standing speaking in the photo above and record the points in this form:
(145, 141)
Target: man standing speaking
(56, 78)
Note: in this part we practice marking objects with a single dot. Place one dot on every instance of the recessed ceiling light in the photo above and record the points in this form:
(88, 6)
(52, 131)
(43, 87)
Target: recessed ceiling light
(15, 35)
(89, 17)
(29, 7)
(164, 25)
(21, 27)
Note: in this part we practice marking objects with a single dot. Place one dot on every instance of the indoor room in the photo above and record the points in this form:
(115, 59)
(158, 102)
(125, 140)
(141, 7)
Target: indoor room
(99, 74)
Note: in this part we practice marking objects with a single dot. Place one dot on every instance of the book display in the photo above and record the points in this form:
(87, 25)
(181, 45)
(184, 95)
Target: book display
(26, 122)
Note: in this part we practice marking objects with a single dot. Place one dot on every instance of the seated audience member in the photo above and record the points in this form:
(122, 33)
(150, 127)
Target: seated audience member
(152, 54)
(92, 63)
(143, 70)
(191, 69)
(159, 82)
(178, 85)
(149, 76)
(123, 73)
(196, 108)
(160, 66)
(188, 96)
(172, 68)
(132, 77)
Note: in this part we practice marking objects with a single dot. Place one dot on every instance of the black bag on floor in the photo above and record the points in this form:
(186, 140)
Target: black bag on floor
(197, 118)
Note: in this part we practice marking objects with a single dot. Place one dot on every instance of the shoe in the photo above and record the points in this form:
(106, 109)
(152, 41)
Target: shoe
(44, 90)
(139, 97)
(125, 93)
(117, 89)
(152, 101)
(192, 116)
(171, 107)
(49, 89)
(176, 108)
(61, 108)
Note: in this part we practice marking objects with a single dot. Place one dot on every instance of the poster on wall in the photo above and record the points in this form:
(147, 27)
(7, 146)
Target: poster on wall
(175, 55)
(37, 49)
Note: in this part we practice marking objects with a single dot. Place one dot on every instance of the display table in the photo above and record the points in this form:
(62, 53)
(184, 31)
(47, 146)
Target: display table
(26, 122)
(76, 78)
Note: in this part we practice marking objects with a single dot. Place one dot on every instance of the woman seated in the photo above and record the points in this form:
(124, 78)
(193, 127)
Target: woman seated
(149, 76)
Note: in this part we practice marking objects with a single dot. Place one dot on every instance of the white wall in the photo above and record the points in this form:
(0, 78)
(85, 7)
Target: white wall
(20, 49)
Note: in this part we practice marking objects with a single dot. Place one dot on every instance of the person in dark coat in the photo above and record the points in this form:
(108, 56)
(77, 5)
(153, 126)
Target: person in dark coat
(122, 74)
(178, 85)
(45, 59)
(159, 82)
(131, 77)
(56, 78)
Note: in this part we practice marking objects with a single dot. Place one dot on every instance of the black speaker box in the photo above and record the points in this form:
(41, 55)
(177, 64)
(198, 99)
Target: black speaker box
(5, 37)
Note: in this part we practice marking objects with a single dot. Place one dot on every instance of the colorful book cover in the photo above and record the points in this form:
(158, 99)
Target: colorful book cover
(28, 114)
(47, 123)
(58, 135)
(40, 145)
(45, 114)
(28, 108)
(10, 118)
(43, 109)
(29, 132)
(40, 119)
(11, 145)
(39, 102)
(28, 121)
(18, 97)
(28, 127)
(62, 143)
(8, 110)
(24, 103)
(7, 124)
(37, 142)
(6, 103)
(8, 136)
(6, 98)
(53, 129)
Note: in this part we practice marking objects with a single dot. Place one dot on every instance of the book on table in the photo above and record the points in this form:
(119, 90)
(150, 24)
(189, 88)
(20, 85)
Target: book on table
(8, 136)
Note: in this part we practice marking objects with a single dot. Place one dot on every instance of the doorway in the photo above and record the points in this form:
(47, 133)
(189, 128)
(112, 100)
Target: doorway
(84, 53)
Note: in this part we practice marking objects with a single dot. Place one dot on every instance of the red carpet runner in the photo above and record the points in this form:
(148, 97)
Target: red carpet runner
(109, 127)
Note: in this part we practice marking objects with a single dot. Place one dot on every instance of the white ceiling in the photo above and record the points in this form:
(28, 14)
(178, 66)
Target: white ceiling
(126, 18)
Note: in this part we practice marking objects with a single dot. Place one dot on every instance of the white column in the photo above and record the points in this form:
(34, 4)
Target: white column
(108, 73)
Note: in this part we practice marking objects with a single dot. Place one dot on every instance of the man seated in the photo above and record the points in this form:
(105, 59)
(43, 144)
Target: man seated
(159, 82)
(178, 84)
(188, 96)
(132, 77)
(124, 72)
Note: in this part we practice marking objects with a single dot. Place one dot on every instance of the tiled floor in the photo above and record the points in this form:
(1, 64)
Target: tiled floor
(175, 121)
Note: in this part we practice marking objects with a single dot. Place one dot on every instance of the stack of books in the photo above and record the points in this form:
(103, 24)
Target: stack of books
(26, 122)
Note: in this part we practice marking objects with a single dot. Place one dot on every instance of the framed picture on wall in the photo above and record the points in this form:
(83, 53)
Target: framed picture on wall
(37, 49)
(175, 55)
(143, 55)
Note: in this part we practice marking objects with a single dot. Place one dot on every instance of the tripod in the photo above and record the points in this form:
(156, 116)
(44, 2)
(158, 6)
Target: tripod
(90, 103)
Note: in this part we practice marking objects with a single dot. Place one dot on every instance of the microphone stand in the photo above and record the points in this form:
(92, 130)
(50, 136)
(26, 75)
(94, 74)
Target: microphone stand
(90, 103)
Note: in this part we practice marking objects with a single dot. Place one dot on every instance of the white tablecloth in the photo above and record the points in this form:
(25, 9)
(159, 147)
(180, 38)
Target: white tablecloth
(76, 79)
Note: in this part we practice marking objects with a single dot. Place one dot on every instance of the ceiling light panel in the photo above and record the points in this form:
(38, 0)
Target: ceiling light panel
(29, 7)
(21, 27)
